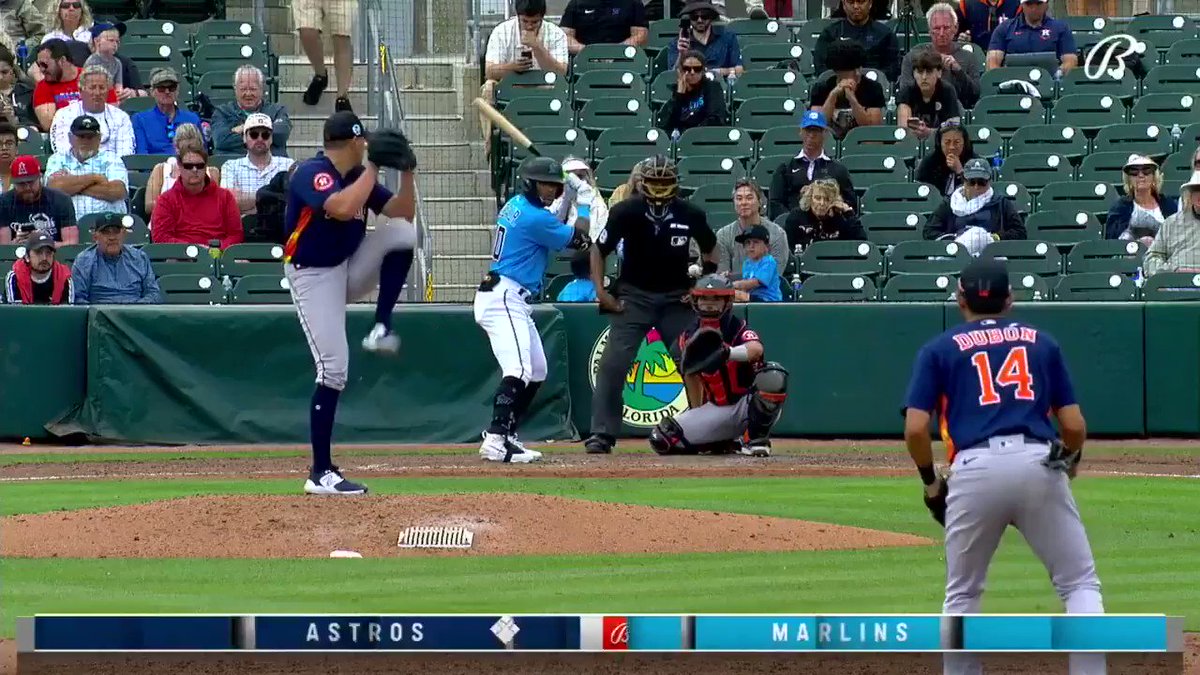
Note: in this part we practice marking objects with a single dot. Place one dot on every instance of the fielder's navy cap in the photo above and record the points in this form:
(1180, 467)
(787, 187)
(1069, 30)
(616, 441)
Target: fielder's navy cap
(343, 126)
(985, 279)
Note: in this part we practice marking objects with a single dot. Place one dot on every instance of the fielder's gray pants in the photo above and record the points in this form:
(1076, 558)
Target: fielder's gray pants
(665, 311)
(1004, 483)
(711, 423)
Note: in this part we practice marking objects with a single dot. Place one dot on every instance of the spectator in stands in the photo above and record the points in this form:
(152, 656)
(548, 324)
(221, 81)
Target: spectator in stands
(878, 10)
(37, 278)
(749, 205)
(942, 167)
(981, 18)
(228, 119)
(116, 129)
(112, 272)
(338, 17)
(697, 102)
(811, 164)
(1176, 248)
(1140, 212)
(523, 43)
(196, 210)
(580, 288)
(755, 9)
(245, 176)
(106, 40)
(822, 214)
(758, 280)
(59, 85)
(592, 22)
(8, 152)
(164, 174)
(928, 103)
(962, 63)
(29, 208)
(629, 188)
(1032, 31)
(154, 129)
(719, 44)
(72, 21)
(94, 178)
(881, 51)
(22, 21)
(581, 169)
(847, 98)
(16, 96)
(975, 215)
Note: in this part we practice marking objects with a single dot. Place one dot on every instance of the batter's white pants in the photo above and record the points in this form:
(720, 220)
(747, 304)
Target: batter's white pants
(505, 315)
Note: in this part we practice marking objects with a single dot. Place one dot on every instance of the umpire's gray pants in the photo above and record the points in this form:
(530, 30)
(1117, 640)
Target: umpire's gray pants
(665, 311)
(322, 293)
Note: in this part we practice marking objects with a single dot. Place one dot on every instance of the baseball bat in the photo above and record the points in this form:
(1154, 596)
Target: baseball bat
(506, 126)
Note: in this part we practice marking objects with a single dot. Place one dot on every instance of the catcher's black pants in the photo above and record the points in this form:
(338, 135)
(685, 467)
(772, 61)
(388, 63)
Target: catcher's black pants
(643, 310)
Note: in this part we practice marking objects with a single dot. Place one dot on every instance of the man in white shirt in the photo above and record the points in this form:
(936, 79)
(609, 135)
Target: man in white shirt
(116, 129)
(245, 175)
(95, 179)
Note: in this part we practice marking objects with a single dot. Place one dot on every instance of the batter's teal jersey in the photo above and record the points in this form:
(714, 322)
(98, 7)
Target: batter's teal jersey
(526, 233)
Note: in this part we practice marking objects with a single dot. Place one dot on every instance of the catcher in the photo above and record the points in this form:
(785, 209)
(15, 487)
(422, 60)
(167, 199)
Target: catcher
(735, 397)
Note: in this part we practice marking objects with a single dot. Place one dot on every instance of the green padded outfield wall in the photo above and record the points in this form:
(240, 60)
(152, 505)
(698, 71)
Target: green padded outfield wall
(245, 375)
(1172, 368)
(41, 367)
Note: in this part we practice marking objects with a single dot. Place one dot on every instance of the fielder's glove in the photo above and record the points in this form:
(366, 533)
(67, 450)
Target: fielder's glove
(937, 503)
(390, 148)
(704, 352)
(1062, 459)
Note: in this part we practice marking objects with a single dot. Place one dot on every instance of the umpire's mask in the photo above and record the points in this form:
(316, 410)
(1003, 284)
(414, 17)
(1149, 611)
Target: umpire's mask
(660, 185)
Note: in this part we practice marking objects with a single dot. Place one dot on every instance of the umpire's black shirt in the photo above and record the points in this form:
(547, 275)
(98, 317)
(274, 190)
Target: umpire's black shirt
(656, 251)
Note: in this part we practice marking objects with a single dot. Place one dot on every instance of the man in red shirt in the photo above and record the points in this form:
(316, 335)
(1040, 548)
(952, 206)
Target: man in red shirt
(196, 210)
(60, 82)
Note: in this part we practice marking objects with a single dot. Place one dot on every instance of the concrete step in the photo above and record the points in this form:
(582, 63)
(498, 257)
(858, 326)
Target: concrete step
(278, 19)
(307, 125)
(414, 101)
(456, 183)
(284, 44)
(441, 156)
(459, 270)
(443, 211)
(430, 73)
(294, 100)
(456, 241)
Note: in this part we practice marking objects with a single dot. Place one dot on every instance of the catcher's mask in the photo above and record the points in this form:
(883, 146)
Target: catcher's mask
(537, 170)
(712, 296)
(660, 184)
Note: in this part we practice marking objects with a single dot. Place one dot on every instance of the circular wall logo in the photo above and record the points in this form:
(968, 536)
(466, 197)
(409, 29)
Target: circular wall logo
(653, 387)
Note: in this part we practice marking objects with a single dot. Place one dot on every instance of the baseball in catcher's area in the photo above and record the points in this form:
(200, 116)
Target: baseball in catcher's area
(734, 396)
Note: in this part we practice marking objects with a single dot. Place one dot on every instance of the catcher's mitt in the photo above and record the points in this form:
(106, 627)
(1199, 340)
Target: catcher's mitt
(704, 352)
(937, 503)
(390, 148)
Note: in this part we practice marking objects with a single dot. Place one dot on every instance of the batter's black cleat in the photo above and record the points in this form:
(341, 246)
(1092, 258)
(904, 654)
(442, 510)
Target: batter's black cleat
(599, 444)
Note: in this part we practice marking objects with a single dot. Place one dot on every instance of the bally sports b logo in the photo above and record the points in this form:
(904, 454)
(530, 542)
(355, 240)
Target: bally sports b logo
(653, 387)
(615, 633)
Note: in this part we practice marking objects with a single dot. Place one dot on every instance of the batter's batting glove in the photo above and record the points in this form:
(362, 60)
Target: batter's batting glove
(1063, 459)
(937, 502)
(390, 148)
(704, 352)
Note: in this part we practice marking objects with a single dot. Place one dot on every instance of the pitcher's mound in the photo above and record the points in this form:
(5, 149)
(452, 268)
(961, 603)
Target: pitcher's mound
(504, 524)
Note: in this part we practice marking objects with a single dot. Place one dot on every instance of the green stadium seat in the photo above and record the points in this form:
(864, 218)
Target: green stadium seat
(807, 32)
(713, 199)
(838, 288)
(771, 28)
(1084, 25)
(765, 168)
(1017, 192)
(219, 160)
(927, 258)
(137, 104)
(1184, 52)
(613, 171)
(841, 257)
(1190, 138)
(262, 289)
(596, 84)
(120, 9)
(1104, 167)
(1166, 109)
(989, 83)
(1027, 256)
(230, 31)
(768, 55)
(30, 141)
(868, 170)
(698, 170)
(886, 228)
(149, 55)
(1036, 170)
(881, 140)
(781, 141)
(773, 82)
(1182, 79)
(610, 113)
(1031, 287)
(1110, 256)
(723, 141)
(757, 115)
(1078, 82)
(1152, 140)
(1088, 111)
(540, 110)
(920, 288)
(1006, 113)
(1095, 287)
(916, 33)
(1171, 287)
(67, 253)
(555, 286)
(552, 141)
(1177, 169)
(191, 289)
(539, 82)
(223, 55)
(1063, 228)
(157, 31)
(984, 139)
(217, 85)
(662, 88)
(610, 57)
(243, 260)
(137, 203)
(1058, 139)
(662, 33)
(902, 197)
(1074, 196)
(1163, 29)
(137, 231)
(188, 259)
(658, 65)
(621, 141)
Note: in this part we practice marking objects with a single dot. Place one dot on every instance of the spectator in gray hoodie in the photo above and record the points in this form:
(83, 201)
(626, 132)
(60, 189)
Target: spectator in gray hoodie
(749, 206)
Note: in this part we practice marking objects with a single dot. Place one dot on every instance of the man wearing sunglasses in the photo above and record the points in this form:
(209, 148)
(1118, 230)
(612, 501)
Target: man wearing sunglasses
(1177, 246)
(196, 210)
(722, 53)
(154, 129)
(975, 215)
(244, 176)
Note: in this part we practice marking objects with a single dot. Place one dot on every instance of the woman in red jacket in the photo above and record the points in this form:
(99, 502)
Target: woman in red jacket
(196, 210)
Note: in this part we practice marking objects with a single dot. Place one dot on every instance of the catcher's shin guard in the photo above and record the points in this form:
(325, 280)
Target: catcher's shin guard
(667, 438)
(766, 400)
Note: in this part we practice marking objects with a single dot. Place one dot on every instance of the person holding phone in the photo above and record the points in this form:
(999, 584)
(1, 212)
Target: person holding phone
(30, 208)
(697, 102)
(697, 31)
(927, 103)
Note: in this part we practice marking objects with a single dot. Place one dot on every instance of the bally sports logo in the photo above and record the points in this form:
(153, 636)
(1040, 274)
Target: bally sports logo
(615, 633)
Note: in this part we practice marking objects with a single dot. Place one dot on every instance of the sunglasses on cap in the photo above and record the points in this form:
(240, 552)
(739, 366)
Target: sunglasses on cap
(259, 134)
(977, 182)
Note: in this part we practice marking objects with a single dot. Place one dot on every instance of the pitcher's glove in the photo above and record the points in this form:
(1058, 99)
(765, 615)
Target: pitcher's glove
(937, 502)
(704, 352)
(1062, 459)
(390, 148)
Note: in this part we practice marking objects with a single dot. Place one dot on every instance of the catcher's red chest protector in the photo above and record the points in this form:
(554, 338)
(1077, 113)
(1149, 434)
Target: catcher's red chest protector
(733, 380)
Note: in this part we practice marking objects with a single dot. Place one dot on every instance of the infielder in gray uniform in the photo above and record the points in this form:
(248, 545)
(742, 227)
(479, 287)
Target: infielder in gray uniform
(994, 383)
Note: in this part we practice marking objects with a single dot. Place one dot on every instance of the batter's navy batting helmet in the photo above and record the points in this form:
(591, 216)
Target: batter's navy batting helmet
(540, 170)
